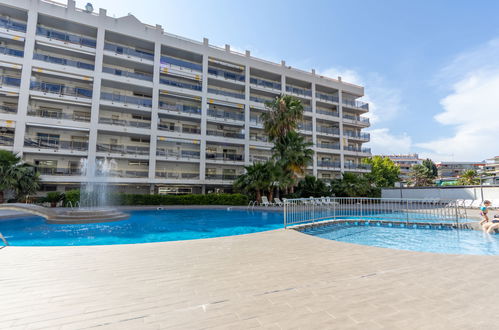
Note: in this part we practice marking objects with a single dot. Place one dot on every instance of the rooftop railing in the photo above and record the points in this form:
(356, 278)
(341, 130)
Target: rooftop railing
(226, 74)
(233, 135)
(10, 81)
(128, 74)
(127, 99)
(326, 97)
(65, 36)
(47, 143)
(9, 24)
(11, 51)
(266, 83)
(180, 84)
(60, 89)
(225, 115)
(124, 50)
(179, 107)
(226, 93)
(126, 123)
(63, 61)
(181, 63)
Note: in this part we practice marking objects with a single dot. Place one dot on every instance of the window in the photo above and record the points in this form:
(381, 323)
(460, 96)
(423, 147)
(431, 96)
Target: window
(138, 163)
(48, 138)
(140, 139)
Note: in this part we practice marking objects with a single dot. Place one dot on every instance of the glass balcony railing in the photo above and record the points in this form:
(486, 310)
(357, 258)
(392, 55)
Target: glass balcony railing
(179, 129)
(128, 74)
(228, 177)
(356, 104)
(135, 174)
(124, 50)
(58, 115)
(65, 36)
(11, 52)
(6, 139)
(256, 120)
(265, 83)
(259, 138)
(179, 107)
(7, 109)
(125, 123)
(323, 163)
(177, 175)
(298, 91)
(175, 83)
(10, 81)
(63, 61)
(122, 149)
(226, 93)
(305, 127)
(335, 146)
(259, 158)
(48, 143)
(233, 135)
(226, 74)
(127, 99)
(261, 99)
(60, 89)
(327, 112)
(328, 130)
(9, 24)
(307, 108)
(67, 171)
(356, 118)
(225, 157)
(353, 166)
(356, 149)
(326, 97)
(181, 63)
(364, 136)
(185, 154)
(225, 115)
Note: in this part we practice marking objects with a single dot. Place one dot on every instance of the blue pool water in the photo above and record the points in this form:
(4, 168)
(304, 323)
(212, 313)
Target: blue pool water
(450, 241)
(141, 227)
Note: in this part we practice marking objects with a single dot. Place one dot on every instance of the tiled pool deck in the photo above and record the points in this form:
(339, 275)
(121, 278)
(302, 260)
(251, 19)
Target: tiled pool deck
(280, 279)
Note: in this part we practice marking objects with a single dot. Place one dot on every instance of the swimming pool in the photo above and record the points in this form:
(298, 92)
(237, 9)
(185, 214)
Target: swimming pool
(142, 227)
(443, 240)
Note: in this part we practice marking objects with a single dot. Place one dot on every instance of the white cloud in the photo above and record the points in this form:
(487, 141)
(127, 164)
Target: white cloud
(383, 142)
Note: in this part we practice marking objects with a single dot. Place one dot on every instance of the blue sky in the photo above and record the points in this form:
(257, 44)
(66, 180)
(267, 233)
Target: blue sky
(430, 68)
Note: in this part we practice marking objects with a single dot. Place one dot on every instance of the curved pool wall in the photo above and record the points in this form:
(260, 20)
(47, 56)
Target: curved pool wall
(144, 226)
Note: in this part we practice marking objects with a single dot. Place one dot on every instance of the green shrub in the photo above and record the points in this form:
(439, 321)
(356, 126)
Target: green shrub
(71, 197)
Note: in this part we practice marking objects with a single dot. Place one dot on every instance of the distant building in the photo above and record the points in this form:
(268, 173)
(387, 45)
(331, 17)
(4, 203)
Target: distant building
(449, 172)
(491, 171)
(405, 162)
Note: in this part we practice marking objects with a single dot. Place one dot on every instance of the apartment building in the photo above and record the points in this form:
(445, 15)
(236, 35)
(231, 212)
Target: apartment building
(405, 162)
(490, 171)
(449, 172)
(174, 115)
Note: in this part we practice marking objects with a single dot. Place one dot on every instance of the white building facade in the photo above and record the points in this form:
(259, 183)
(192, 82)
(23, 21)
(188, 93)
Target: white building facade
(175, 115)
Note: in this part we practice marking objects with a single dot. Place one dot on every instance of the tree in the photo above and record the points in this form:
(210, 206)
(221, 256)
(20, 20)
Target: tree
(468, 178)
(285, 112)
(258, 178)
(384, 172)
(17, 176)
(430, 165)
(354, 185)
(311, 186)
(420, 176)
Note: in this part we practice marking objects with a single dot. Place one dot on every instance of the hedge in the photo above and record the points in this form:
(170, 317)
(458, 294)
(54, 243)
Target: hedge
(142, 199)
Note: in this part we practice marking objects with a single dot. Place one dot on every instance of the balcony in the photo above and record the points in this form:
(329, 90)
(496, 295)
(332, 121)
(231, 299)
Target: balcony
(177, 154)
(6, 140)
(177, 175)
(227, 75)
(128, 51)
(225, 115)
(127, 99)
(266, 83)
(360, 136)
(180, 84)
(7, 109)
(179, 129)
(225, 157)
(356, 149)
(261, 99)
(129, 174)
(181, 64)
(355, 104)
(326, 97)
(180, 108)
(335, 146)
(359, 119)
(353, 166)
(10, 81)
(328, 130)
(259, 158)
(124, 123)
(65, 171)
(65, 37)
(327, 112)
(11, 52)
(299, 91)
(63, 61)
(122, 149)
(9, 24)
(127, 74)
(328, 164)
(256, 121)
(227, 134)
(226, 93)
(44, 113)
(60, 89)
(305, 127)
(56, 144)
(223, 177)
(259, 138)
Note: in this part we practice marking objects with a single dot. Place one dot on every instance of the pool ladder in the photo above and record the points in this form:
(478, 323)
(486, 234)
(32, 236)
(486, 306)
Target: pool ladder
(4, 240)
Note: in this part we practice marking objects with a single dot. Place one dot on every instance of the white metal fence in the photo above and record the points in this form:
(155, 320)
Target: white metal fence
(309, 210)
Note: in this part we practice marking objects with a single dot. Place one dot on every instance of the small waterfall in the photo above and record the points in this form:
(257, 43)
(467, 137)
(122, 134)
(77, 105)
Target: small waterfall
(95, 191)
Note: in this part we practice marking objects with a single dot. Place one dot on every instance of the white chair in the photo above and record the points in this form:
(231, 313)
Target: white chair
(476, 204)
(277, 201)
(467, 203)
(265, 201)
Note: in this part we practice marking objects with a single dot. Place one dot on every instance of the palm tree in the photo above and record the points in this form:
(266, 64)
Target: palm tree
(258, 178)
(285, 113)
(469, 178)
(421, 176)
(17, 176)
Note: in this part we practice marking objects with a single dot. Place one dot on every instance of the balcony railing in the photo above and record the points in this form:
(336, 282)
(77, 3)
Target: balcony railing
(47, 143)
(226, 93)
(126, 123)
(259, 158)
(305, 127)
(328, 130)
(353, 166)
(123, 50)
(355, 149)
(65, 36)
(58, 115)
(226, 74)
(128, 74)
(9, 24)
(177, 175)
(185, 154)
(328, 164)
(59, 89)
(356, 118)
(326, 112)
(260, 138)
(179, 84)
(180, 107)
(307, 108)
(261, 99)
(364, 136)
(10, 81)
(181, 63)
(228, 177)
(225, 157)
(4, 108)
(127, 99)
(11, 52)
(7, 140)
(355, 104)
(179, 129)
(65, 171)
(335, 146)
(265, 83)
(233, 135)
(326, 97)
(256, 120)
(225, 115)
(122, 149)
(298, 91)
(63, 61)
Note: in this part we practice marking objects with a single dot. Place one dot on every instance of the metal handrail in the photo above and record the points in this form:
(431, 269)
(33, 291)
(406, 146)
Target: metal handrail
(4, 240)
